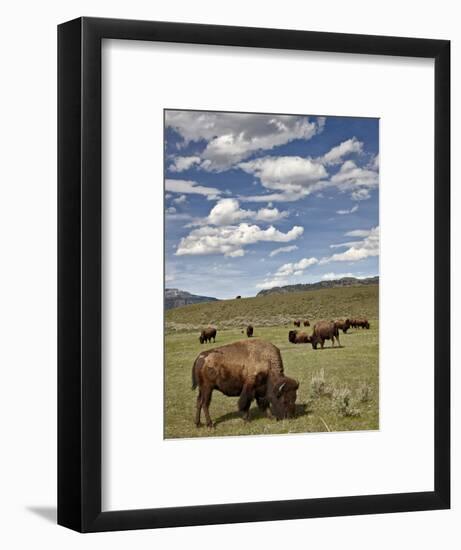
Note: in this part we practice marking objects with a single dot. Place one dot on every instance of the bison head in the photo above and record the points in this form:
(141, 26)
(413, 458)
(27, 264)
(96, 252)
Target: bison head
(201, 339)
(282, 397)
(292, 336)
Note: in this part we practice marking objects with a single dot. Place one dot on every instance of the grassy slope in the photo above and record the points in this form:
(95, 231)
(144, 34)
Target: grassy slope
(351, 365)
(277, 309)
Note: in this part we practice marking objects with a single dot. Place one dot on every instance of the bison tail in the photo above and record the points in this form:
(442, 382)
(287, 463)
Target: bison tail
(194, 378)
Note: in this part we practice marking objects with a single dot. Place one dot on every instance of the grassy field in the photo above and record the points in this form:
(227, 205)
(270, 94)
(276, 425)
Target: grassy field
(339, 387)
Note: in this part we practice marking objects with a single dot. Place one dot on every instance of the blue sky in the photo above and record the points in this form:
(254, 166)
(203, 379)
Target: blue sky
(254, 201)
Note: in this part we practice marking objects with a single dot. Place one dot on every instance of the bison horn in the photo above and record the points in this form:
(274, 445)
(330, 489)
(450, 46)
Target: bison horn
(281, 387)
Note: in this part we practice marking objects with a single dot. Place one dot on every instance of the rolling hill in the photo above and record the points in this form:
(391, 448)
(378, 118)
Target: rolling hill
(336, 283)
(278, 308)
(177, 298)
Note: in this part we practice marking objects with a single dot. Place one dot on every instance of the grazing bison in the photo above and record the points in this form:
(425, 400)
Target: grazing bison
(296, 337)
(297, 323)
(343, 325)
(250, 369)
(238, 297)
(362, 322)
(325, 330)
(306, 323)
(249, 331)
(207, 334)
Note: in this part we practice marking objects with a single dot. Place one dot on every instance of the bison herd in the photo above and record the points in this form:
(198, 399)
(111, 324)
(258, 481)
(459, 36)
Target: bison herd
(253, 369)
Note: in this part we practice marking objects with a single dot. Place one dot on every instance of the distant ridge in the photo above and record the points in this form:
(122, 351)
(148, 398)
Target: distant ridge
(336, 283)
(178, 298)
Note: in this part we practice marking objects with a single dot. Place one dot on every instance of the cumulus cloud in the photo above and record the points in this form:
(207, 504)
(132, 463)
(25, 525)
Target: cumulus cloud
(191, 187)
(228, 212)
(282, 275)
(336, 154)
(230, 240)
(283, 249)
(180, 200)
(352, 178)
(233, 137)
(180, 164)
(350, 211)
(358, 250)
(294, 176)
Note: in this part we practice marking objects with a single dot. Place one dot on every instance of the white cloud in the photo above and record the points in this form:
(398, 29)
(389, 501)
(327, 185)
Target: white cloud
(359, 250)
(294, 176)
(336, 154)
(180, 200)
(350, 211)
(188, 187)
(358, 181)
(230, 240)
(171, 210)
(332, 276)
(358, 233)
(183, 163)
(282, 275)
(233, 137)
(228, 212)
(282, 250)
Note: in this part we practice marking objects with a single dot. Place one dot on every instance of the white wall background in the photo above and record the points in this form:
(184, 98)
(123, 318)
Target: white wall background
(28, 271)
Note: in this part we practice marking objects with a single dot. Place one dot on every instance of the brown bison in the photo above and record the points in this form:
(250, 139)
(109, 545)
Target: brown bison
(207, 334)
(297, 323)
(325, 330)
(249, 331)
(238, 297)
(362, 322)
(250, 369)
(306, 323)
(296, 337)
(343, 325)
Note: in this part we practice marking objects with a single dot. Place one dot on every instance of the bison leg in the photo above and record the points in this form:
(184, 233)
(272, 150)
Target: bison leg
(246, 397)
(322, 342)
(206, 399)
(263, 405)
(199, 409)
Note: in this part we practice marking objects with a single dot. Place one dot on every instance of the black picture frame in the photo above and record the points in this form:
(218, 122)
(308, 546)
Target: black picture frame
(79, 274)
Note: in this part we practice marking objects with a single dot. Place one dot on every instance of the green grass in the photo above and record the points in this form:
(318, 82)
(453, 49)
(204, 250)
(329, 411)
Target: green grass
(353, 365)
(277, 309)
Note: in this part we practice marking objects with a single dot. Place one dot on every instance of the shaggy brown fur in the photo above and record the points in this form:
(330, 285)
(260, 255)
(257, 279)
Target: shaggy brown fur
(297, 323)
(306, 323)
(207, 334)
(325, 330)
(251, 369)
(296, 337)
(362, 322)
(343, 325)
(249, 331)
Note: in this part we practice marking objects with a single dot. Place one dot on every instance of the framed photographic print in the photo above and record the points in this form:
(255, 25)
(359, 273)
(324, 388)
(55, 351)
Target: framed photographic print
(254, 274)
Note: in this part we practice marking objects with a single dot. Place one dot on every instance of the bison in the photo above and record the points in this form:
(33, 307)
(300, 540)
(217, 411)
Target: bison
(325, 330)
(249, 331)
(343, 325)
(362, 322)
(238, 297)
(250, 369)
(297, 323)
(296, 337)
(306, 323)
(207, 334)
